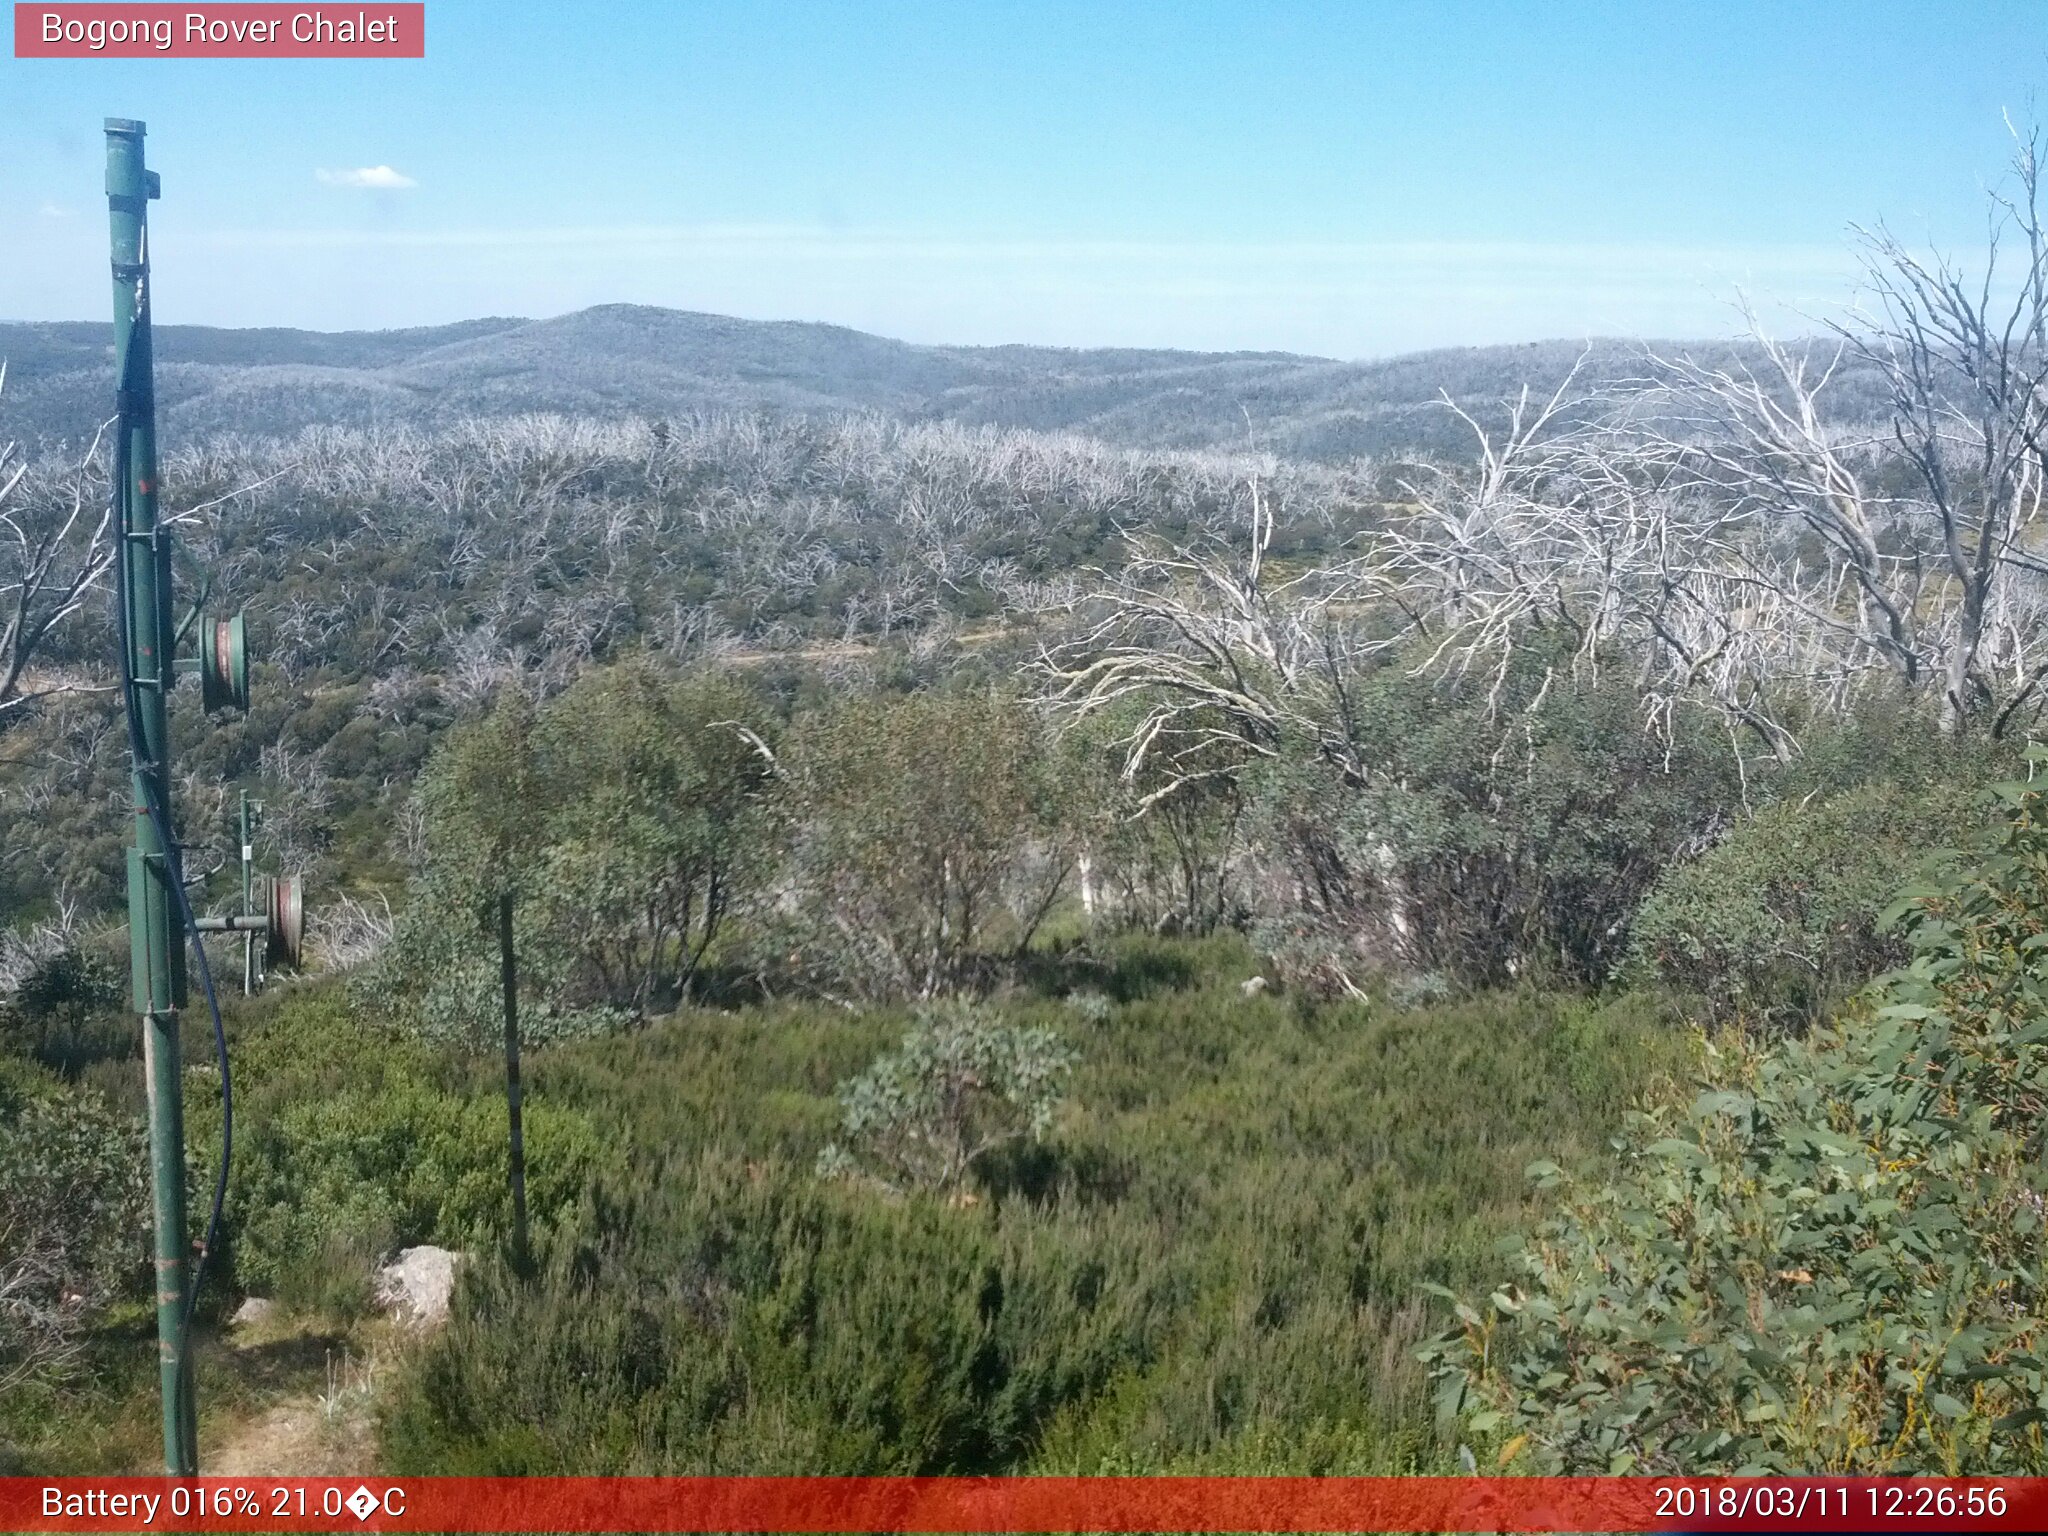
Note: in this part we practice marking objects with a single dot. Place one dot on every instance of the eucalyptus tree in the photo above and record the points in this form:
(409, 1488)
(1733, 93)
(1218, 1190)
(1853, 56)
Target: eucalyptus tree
(926, 839)
(623, 815)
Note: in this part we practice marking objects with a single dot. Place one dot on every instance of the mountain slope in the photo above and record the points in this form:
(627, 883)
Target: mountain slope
(632, 359)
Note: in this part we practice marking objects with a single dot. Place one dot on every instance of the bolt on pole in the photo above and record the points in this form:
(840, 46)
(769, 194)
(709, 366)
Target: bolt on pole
(156, 942)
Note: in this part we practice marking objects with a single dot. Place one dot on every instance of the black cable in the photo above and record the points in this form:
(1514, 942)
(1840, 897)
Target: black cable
(160, 815)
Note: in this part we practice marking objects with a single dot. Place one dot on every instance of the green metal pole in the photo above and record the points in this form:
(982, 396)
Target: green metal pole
(156, 948)
(248, 939)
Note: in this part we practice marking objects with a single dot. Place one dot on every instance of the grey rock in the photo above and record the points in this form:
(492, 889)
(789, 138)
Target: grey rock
(416, 1286)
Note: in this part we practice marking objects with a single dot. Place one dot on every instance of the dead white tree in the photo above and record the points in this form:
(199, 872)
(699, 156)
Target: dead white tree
(24, 950)
(1216, 654)
(41, 1310)
(1964, 357)
(1754, 547)
(1907, 546)
(1576, 535)
(54, 549)
(351, 932)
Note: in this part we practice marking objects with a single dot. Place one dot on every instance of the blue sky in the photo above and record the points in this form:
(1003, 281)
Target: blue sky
(1347, 179)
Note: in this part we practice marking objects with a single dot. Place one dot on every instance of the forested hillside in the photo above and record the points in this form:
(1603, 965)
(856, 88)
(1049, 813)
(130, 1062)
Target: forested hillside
(632, 360)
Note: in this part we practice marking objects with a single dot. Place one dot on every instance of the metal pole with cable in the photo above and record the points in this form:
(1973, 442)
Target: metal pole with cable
(160, 916)
(156, 950)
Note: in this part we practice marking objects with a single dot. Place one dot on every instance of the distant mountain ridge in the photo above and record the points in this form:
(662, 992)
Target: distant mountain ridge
(632, 359)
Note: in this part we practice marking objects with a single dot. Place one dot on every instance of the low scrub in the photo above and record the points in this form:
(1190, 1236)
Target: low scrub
(72, 1221)
(1781, 920)
(1212, 1262)
(963, 1084)
(1828, 1256)
(352, 1142)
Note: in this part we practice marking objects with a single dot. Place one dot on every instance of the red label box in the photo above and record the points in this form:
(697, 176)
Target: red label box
(960, 1505)
(367, 29)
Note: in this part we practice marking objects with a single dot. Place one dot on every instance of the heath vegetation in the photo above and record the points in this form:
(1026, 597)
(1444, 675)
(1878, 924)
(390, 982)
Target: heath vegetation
(1072, 953)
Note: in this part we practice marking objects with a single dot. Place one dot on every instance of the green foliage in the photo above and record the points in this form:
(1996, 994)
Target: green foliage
(1830, 1258)
(923, 833)
(353, 1141)
(1492, 832)
(67, 988)
(623, 818)
(1160, 855)
(963, 1082)
(73, 1214)
(68, 1011)
(1210, 1263)
(652, 790)
(1780, 920)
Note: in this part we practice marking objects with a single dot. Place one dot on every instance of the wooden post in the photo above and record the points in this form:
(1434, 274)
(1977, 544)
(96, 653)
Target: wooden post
(509, 973)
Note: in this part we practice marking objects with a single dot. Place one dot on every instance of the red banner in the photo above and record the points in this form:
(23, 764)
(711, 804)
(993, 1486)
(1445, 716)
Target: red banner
(370, 30)
(1018, 1504)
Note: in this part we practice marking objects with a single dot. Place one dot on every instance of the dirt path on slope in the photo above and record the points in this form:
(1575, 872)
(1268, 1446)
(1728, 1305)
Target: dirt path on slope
(297, 1402)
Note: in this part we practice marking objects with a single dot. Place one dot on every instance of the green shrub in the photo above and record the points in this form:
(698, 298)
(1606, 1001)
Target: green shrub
(73, 1214)
(1780, 920)
(1211, 1263)
(69, 1011)
(1163, 845)
(962, 1083)
(624, 817)
(352, 1141)
(782, 1325)
(925, 835)
(1496, 829)
(1828, 1260)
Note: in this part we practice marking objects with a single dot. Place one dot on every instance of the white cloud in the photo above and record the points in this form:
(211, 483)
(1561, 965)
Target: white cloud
(54, 211)
(378, 177)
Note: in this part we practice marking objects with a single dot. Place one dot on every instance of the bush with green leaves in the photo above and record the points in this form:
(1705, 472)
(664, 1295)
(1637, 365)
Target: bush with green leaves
(1162, 845)
(1831, 1257)
(73, 1218)
(1212, 1266)
(1494, 829)
(963, 1082)
(68, 1010)
(625, 819)
(1780, 920)
(354, 1140)
(927, 837)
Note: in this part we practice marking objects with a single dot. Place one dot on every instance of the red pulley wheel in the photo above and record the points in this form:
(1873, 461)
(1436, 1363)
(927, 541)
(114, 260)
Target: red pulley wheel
(285, 943)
